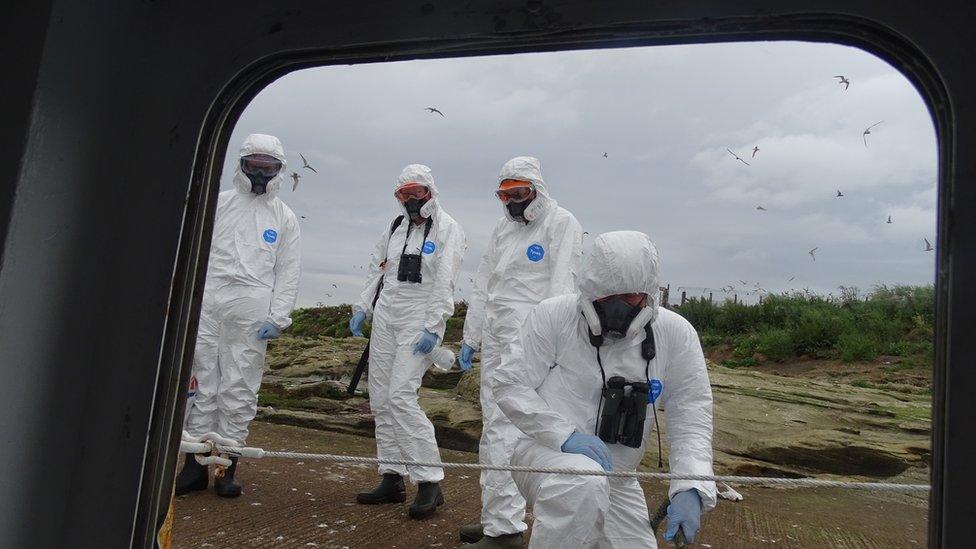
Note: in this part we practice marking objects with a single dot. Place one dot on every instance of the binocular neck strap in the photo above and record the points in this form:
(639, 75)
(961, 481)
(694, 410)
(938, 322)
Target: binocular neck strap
(406, 239)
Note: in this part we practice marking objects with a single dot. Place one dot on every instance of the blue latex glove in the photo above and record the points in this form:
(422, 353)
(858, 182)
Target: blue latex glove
(685, 511)
(590, 446)
(426, 343)
(464, 359)
(268, 331)
(356, 323)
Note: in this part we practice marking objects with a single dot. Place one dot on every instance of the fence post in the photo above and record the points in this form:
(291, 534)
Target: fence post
(735, 298)
(683, 292)
(709, 297)
(760, 300)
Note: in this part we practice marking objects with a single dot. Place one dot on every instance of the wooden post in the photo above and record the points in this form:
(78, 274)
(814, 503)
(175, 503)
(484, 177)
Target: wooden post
(760, 300)
(709, 297)
(735, 298)
(683, 297)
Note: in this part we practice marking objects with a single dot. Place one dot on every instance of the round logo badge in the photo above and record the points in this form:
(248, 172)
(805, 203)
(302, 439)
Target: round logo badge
(535, 253)
(429, 247)
(270, 236)
(192, 390)
(657, 387)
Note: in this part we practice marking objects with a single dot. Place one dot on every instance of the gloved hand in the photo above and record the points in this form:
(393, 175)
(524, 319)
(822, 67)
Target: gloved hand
(356, 323)
(464, 359)
(268, 331)
(590, 446)
(685, 511)
(425, 344)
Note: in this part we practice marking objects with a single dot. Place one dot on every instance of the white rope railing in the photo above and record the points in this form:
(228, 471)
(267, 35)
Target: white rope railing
(208, 443)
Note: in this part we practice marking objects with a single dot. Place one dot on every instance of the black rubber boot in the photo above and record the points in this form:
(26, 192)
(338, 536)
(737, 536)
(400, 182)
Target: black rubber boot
(192, 477)
(226, 486)
(390, 490)
(470, 533)
(505, 541)
(429, 498)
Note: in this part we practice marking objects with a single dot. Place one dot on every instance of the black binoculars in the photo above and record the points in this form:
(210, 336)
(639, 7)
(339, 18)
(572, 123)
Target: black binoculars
(409, 269)
(624, 411)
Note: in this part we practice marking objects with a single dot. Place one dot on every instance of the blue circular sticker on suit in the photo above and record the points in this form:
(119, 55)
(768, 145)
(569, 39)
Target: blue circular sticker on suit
(270, 236)
(657, 387)
(535, 253)
(429, 247)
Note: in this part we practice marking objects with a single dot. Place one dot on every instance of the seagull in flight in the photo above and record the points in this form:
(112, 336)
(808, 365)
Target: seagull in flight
(839, 194)
(928, 246)
(303, 217)
(812, 252)
(605, 155)
(334, 286)
(760, 208)
(867, 132)
(844, 81)
(737, 157)
(432, 110)
(296, 177)
(755, 150)
(889, 219)
(306, 165)
(791, 279)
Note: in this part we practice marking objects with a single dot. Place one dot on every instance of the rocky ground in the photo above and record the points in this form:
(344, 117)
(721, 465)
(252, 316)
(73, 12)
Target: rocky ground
(830, 420)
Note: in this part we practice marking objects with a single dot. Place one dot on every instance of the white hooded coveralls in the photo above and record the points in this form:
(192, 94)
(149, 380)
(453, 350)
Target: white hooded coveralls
(524, 264)
(403, 311)
(549, 385)
(252, 277)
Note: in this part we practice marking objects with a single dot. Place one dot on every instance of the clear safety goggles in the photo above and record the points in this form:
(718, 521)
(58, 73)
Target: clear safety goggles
(513, 190)
(634, 300)
(411, 190)
(260, 164)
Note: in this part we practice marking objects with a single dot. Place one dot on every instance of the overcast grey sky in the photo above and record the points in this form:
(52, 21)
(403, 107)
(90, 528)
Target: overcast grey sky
(664, 116)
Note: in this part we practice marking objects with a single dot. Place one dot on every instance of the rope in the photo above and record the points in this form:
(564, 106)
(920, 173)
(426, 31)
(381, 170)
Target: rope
(258, 453)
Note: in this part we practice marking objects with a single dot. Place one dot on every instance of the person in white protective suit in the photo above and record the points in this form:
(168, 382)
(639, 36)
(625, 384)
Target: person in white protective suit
(533, 254)
(577, 359)
(252, 282)
(417, 261)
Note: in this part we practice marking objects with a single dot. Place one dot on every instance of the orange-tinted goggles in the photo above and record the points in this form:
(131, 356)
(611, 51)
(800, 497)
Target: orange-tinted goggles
(513, 190)
(634, 300)
(411, 190)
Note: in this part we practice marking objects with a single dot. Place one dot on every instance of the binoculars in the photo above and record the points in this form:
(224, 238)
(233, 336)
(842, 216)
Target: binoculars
(409, 269)
(623, 413)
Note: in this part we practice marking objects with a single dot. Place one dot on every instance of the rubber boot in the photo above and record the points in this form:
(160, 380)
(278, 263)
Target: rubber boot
(429, 498)
(192, 477)
(506, 541)
(390, 490)
(471, 533)
(226, 486)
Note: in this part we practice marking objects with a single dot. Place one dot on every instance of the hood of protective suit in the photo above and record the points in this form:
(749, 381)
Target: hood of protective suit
(527, 168)
(418, 173)
(259, 143)
(620, 262)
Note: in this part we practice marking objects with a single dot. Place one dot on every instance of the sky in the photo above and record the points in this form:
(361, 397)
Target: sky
(665, 116)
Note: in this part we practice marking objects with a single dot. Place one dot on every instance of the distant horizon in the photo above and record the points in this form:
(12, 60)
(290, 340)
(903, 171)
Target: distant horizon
(665, 116)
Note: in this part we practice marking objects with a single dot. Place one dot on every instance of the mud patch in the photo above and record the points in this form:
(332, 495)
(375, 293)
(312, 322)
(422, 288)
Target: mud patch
(837, 460)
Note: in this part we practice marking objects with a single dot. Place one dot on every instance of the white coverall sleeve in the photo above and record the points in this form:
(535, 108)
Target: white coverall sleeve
(440, 306)
(524, 367)
(287, 270)
(374, 274)
(567, 250)
(474, 320)
(688, 416)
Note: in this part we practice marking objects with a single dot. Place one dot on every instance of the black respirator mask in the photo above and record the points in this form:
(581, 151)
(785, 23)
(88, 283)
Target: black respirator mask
(517, 209)
(413, 206)
(615, 316)
(259, 183)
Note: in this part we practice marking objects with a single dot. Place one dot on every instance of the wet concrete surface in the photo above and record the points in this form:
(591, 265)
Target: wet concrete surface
(293, 503)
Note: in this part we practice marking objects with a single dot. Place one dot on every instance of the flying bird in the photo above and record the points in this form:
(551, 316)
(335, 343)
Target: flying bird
(812, 252)
(760, 208)
(928, 246)
(791, 279)
(737, 157)
(296, 177)
(605, 155)
(306, 165)
(755, 150)
(889, 219)
(839, 194)
(334, 286)
(432, 110)
(844, 81)
(867, 132)
(303, 217)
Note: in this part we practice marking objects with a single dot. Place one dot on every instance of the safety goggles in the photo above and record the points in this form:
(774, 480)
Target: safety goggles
(634, 300)
(513, 190)
(260, 164)
(411, 190)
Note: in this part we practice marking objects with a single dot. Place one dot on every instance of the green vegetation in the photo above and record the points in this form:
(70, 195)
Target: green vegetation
(896, 321)
(334, 322)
